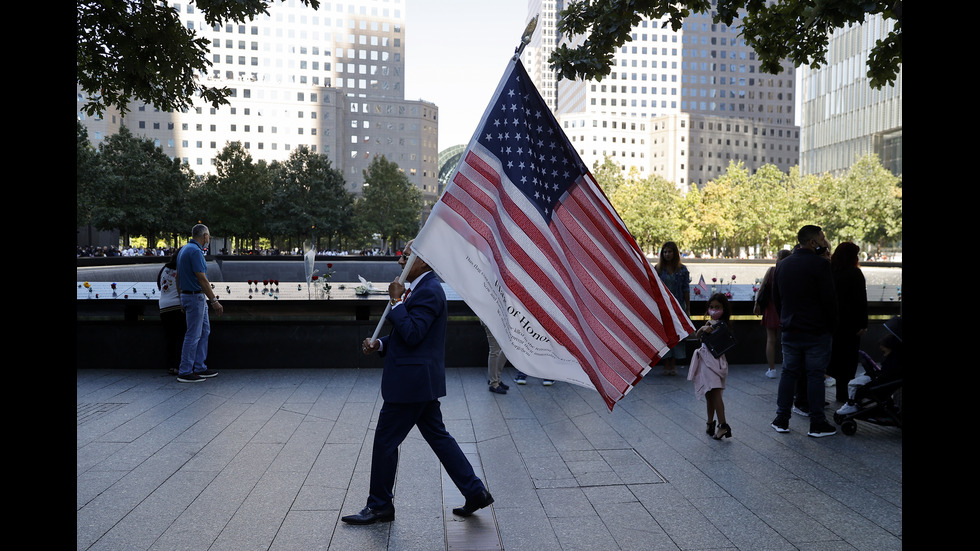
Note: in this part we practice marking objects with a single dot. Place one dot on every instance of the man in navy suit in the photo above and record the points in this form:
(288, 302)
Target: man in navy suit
(413, 380)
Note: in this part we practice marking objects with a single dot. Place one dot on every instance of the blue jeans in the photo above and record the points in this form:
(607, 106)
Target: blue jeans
(195, 349)
(804, 355)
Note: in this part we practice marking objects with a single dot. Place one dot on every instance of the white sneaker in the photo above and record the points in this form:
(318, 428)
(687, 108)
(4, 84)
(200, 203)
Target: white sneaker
(847, 409)
(799, 411)
(772, 373)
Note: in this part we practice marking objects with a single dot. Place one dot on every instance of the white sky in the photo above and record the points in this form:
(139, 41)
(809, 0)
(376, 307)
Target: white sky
(455, 54)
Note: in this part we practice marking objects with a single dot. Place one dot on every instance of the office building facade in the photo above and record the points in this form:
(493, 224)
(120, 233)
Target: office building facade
(843, 118)
(330, 79)
(678, 104)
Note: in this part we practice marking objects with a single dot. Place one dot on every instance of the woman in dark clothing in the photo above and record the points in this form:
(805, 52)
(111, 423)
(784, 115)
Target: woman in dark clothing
(677, 278)
(765, 307)
(852, 308)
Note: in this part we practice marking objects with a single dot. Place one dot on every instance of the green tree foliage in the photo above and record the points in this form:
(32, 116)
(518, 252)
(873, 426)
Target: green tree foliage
(718, 214)
(89, 175)
(867, 205)
(807, 203)
(142, 190)
(389, 205)
(231, 201)
(130, 50)
(692, 233)
(309, 199)
(797, 30)
(608, 175)
(764, 210)
(130, 185)
(650, 208)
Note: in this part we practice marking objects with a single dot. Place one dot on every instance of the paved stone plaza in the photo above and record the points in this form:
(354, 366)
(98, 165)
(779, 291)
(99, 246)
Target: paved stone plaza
(271, 459)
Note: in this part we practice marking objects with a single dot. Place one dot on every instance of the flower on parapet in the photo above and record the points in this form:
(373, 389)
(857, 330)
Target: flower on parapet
(365, 288)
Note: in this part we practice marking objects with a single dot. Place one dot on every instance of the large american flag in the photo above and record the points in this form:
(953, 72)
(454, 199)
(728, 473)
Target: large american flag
(528, 239)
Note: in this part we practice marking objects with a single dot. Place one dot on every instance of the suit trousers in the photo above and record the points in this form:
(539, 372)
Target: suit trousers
(394, 423)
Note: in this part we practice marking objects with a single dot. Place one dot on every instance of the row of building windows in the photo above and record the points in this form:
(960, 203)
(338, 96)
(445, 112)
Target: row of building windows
(642, 50)
(350, 24)
(664, 104)
(315, 19)
(710, 126)
(613, 140)
(373, 55)
(199, 161)
(389, 140)
(731, 107)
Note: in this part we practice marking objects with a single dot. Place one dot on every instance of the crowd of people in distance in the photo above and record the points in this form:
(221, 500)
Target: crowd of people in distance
(97, 251)
(90, 251)
(864, 256)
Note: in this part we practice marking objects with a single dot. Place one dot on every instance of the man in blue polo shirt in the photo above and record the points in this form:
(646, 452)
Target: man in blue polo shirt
(195, 297)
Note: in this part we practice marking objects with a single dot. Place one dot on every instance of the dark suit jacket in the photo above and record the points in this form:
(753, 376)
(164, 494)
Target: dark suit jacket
(415, 350)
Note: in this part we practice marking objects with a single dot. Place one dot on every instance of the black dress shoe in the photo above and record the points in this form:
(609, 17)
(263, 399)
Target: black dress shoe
(473, 504)
(370, 516)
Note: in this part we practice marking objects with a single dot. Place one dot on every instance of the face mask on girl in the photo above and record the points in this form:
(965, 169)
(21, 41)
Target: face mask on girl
(715, 313)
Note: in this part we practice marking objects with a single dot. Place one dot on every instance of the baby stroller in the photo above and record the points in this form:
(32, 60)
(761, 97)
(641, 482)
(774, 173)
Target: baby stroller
(879, 400)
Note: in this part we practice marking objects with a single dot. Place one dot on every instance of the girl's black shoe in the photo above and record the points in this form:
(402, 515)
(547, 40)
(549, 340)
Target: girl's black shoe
(711, 428)
(724, 431)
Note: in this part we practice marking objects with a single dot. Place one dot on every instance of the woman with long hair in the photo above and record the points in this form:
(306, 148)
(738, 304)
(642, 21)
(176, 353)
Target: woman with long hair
(852, 316)
(677, 278)
(765, 306)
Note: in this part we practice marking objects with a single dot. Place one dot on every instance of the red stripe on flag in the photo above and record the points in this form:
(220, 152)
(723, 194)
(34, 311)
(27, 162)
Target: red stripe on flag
(582, 318)
(473, 222)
